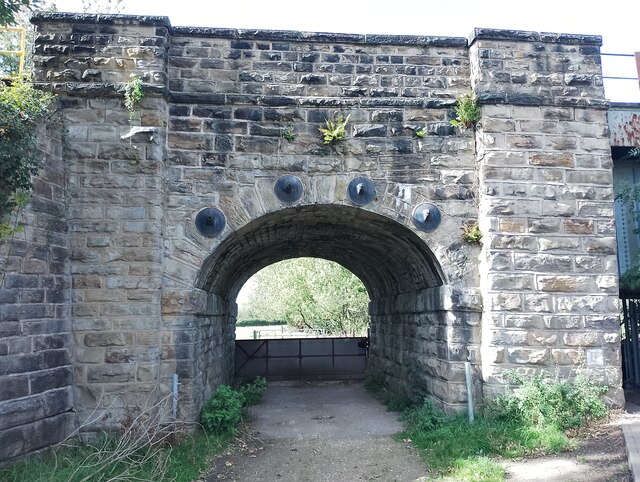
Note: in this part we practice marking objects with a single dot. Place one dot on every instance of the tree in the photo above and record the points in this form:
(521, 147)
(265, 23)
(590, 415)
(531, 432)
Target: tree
(310, 293)
(10, 10)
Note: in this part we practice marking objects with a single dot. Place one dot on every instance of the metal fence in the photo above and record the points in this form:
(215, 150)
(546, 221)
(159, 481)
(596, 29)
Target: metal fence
(8, 53)
(630, 327)
(302, 358)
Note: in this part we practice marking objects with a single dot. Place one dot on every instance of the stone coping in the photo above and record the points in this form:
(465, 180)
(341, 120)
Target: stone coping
(293, 35)
(527, 36)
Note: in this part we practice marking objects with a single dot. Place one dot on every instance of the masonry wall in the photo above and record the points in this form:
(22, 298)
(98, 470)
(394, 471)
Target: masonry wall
(549, 260)
(151, 297)
(36, 373)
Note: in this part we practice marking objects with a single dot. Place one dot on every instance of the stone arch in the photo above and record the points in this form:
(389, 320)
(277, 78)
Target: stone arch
(389, 258)
(422, 329)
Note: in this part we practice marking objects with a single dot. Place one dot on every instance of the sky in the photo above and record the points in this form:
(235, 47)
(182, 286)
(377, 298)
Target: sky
(617, 21)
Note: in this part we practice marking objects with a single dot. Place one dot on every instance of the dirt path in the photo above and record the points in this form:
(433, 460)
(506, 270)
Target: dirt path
(320, 432)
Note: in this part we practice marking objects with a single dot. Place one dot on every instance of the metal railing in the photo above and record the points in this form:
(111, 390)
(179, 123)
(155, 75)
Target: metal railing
(20, 53)
(630, 328)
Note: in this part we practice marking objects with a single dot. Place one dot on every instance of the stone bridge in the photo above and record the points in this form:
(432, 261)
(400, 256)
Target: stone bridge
(143, 227)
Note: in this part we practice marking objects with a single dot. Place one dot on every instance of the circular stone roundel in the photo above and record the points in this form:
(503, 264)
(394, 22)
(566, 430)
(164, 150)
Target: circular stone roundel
(426, 217)
(288, 189)
(210, 222)
(361, 191)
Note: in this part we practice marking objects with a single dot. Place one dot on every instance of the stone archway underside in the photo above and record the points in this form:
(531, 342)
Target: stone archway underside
(386, 256)
(419, 336)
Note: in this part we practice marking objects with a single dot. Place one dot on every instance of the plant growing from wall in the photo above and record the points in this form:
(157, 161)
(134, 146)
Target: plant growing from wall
(467, 111)
(421, 133)
(471, 233)
(133, 94)
(23, 110)
(289, 133)
(335, 129)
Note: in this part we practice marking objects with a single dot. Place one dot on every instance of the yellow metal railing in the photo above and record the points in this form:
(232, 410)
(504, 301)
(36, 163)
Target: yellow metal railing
(19, 53)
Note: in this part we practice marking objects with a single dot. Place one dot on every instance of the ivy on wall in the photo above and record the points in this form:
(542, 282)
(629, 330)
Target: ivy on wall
(23, 110)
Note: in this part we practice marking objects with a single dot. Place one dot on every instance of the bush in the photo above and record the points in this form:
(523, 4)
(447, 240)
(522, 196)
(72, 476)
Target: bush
(223, 411)
(23, 110)
(541, 401)
(252, 392)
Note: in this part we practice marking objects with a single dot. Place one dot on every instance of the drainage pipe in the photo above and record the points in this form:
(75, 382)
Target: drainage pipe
(467, 372)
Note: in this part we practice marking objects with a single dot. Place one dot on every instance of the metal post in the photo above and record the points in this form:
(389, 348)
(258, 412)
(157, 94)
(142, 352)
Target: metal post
(467, 372)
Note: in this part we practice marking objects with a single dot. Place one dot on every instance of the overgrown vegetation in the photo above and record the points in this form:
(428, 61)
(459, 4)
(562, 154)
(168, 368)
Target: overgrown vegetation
(532, 419)
(222, 413)
(23, 110)
(335, 129)
(146, 448)
(133, 94)
(467, 111)
(309, 293)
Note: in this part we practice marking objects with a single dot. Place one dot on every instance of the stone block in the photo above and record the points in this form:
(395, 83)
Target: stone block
(528, 356)
(580, 339)
(112, 373)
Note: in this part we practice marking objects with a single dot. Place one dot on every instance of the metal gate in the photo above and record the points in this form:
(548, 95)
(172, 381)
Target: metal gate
(630, 325)
(302, 358)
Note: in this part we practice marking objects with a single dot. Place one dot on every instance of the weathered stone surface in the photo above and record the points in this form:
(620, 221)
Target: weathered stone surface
(146, 295)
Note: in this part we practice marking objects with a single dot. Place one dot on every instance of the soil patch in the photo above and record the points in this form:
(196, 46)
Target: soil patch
(600, 456)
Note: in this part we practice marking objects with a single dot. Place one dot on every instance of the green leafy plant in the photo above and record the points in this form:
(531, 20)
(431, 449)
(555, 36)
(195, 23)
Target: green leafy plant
(335, 129)
(471, 233)
(543, 401)
(421, 133)
(23, 110)
(532, 419)
(133, 94)
(253, 391)
(467, 111)
(223, 412)
(289, 133)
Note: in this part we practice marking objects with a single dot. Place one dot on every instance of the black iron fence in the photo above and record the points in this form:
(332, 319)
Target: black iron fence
(629, 329)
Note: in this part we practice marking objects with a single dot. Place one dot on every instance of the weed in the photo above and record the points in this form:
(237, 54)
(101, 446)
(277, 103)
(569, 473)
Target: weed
(424, 418)
(467, 111)
(532, 419)
(374, 382)
(289, 133)
(133, 94)
(335, 129)
(223, 412)
(471, 233)
(543, 401)
(421, 133)
(253, 391)
(396, 402)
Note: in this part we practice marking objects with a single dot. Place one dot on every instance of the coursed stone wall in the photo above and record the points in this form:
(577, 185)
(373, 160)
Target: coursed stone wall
(36, 372)
(152, 297)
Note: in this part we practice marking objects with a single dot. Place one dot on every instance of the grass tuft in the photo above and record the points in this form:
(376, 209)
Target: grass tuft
(531, 420)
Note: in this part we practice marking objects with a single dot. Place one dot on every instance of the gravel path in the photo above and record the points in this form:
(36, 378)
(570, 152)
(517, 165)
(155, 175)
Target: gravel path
(320, 432)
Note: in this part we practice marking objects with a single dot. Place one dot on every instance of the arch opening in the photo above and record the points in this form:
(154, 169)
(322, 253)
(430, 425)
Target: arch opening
(303, 297)
(422, 330)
